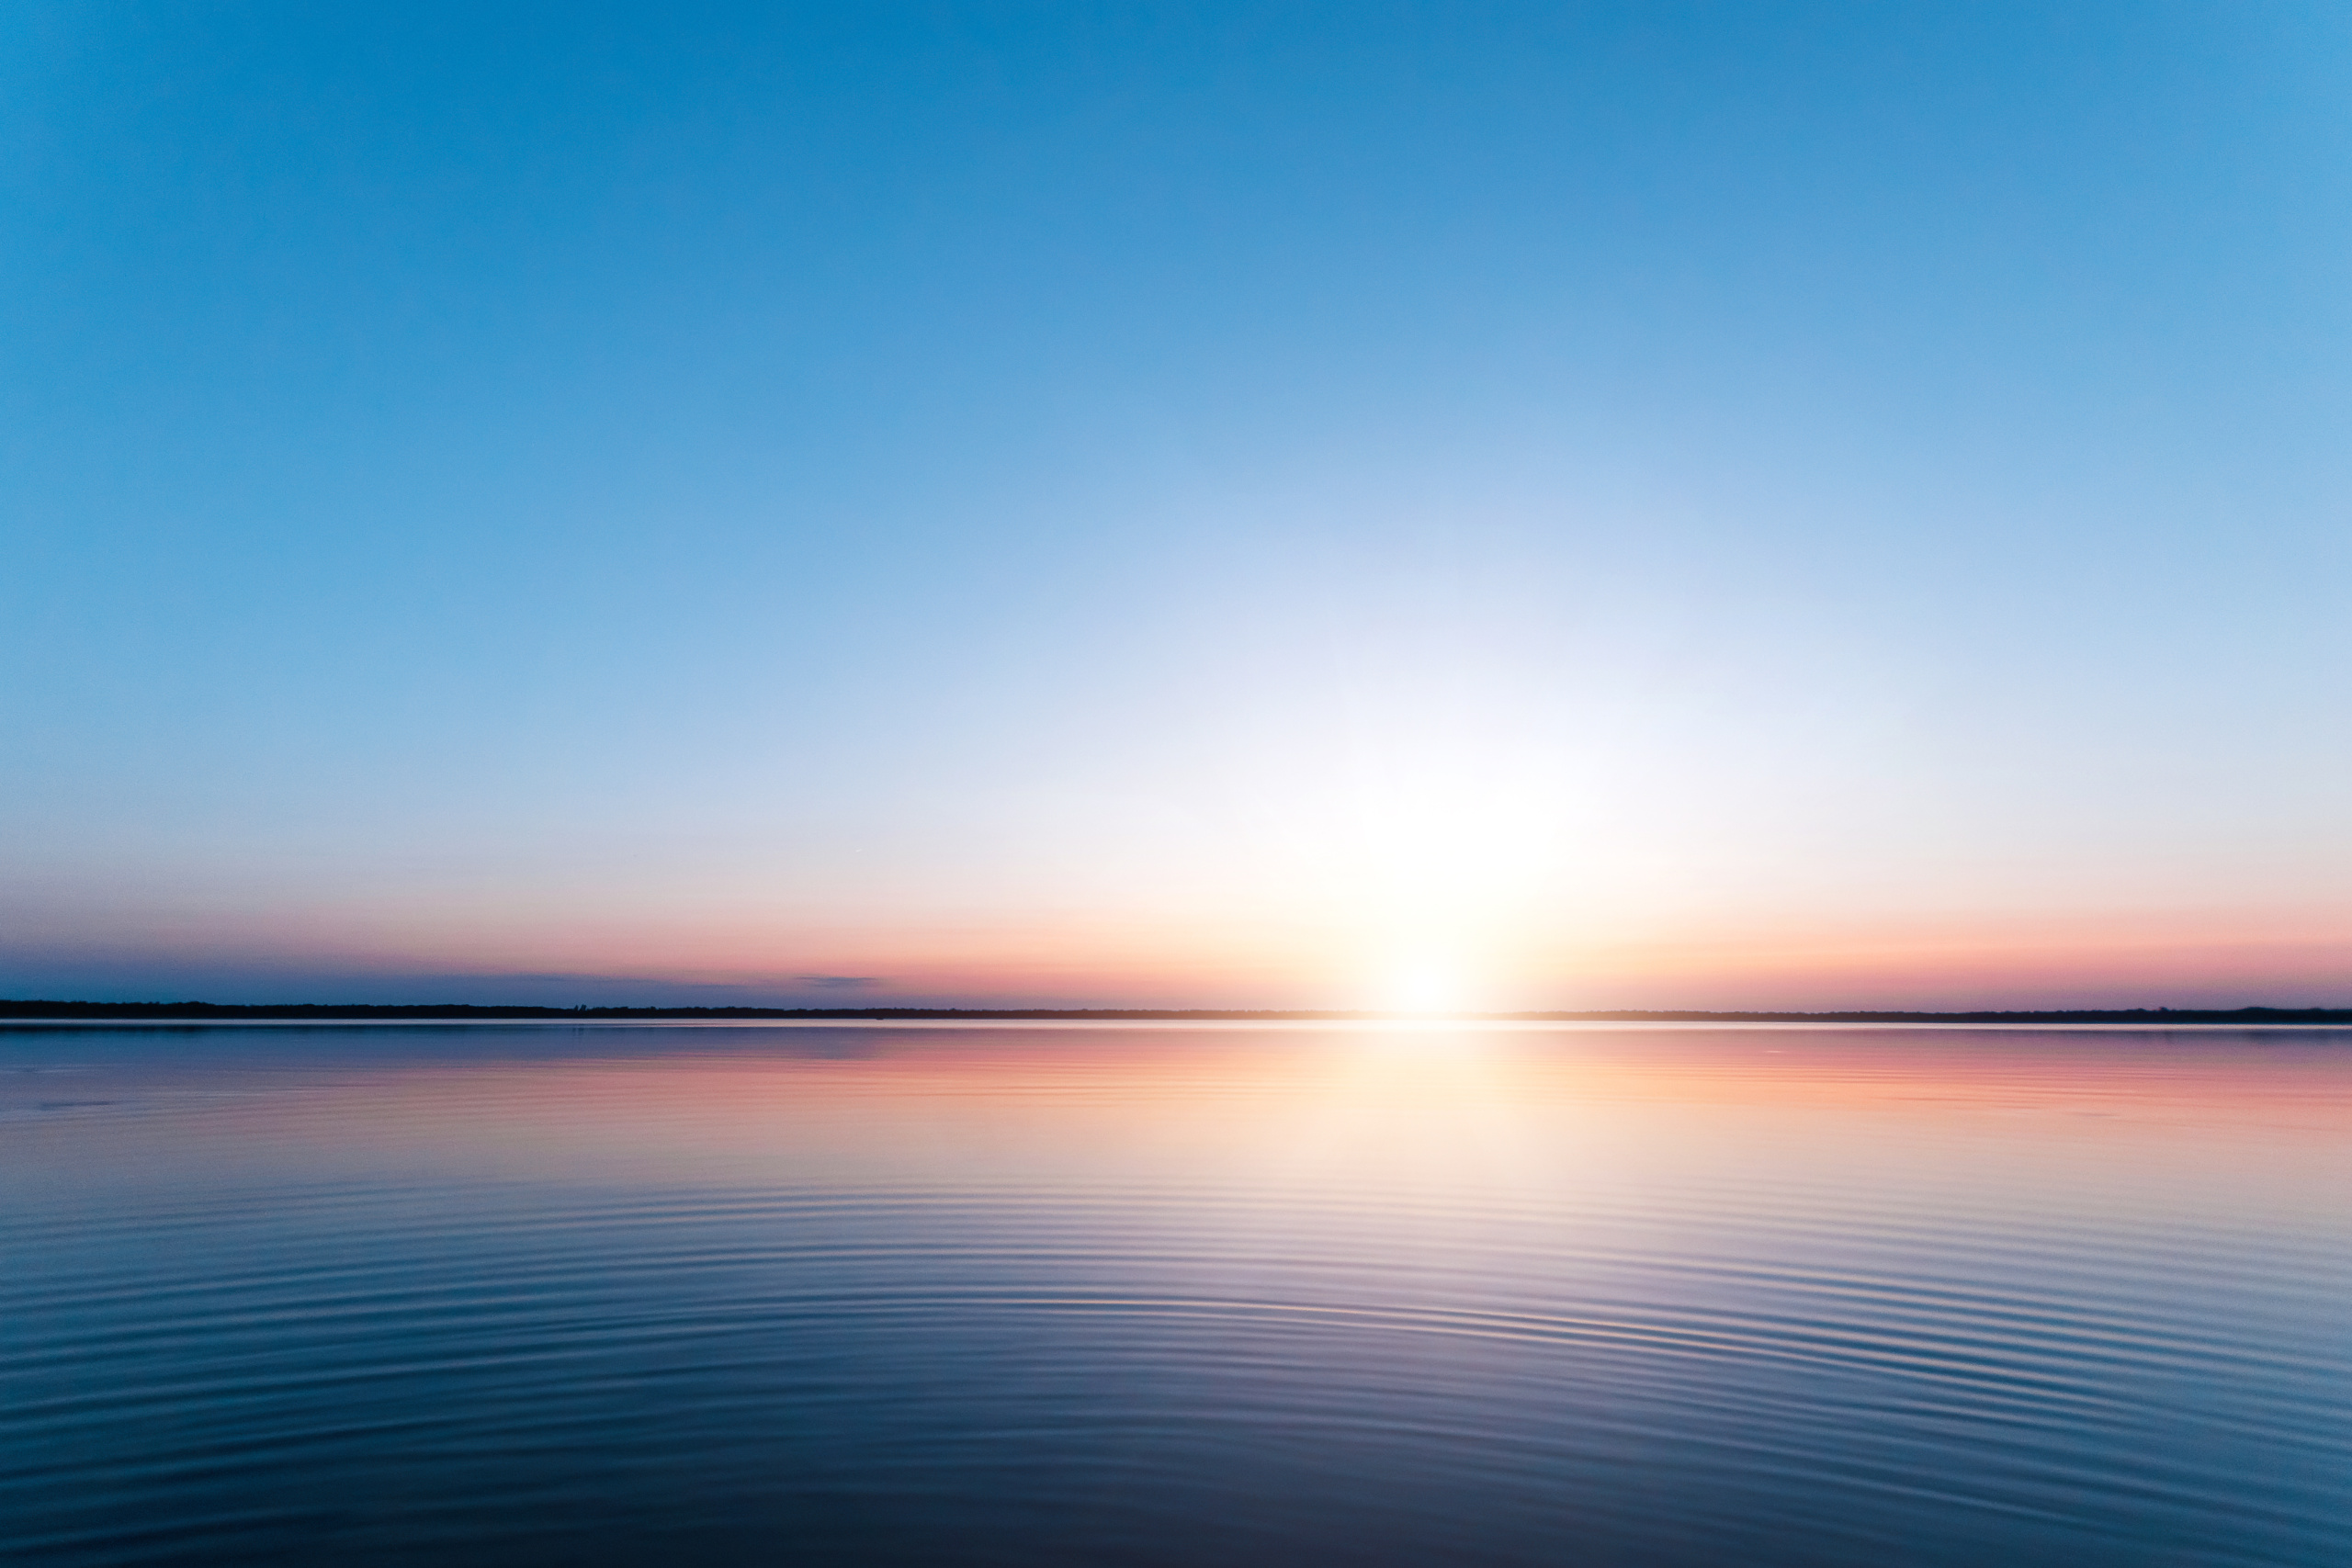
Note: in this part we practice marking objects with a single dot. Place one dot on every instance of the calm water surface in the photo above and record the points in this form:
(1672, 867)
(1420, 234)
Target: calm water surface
(534, 1295)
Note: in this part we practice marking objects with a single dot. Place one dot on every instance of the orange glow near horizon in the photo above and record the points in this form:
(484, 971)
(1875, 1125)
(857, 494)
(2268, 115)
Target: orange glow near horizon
(1485, 945)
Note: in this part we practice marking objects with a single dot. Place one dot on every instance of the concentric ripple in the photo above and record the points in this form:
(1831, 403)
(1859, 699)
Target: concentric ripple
(527, 1296)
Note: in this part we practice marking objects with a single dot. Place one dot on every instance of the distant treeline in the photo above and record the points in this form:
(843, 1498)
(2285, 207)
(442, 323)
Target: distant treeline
(457, 1012)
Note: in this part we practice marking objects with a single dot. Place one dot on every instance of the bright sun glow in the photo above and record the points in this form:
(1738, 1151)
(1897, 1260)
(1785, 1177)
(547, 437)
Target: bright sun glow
(1434, 843)
(1450, 865)
(1416, 985)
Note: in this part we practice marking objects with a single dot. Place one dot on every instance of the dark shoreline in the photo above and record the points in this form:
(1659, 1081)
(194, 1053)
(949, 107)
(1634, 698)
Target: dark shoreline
(454, 1012)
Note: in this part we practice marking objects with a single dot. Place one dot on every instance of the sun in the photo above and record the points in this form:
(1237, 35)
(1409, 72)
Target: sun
(1424, 985)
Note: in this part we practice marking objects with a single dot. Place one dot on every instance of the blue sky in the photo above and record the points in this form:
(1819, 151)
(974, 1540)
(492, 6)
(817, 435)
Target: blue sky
(1583, 505)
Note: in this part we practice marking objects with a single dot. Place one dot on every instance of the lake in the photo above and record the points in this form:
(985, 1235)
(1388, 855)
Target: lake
(533, 1294)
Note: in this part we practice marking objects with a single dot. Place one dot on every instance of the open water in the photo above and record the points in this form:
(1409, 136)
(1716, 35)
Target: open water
(1671, 1297)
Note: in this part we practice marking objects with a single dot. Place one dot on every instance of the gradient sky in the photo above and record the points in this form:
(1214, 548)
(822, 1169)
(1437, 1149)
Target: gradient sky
(1495, 505)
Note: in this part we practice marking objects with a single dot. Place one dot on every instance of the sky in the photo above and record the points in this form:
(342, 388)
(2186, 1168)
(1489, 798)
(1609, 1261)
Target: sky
(1449, 505)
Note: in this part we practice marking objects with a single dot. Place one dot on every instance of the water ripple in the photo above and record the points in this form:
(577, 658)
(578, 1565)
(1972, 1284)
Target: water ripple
(1235, 1300)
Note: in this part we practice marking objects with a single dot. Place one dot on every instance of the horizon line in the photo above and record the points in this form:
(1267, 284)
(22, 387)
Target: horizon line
(32, 1011)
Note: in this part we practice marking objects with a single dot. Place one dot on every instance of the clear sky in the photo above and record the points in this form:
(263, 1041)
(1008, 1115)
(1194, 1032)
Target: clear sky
(1351, 504)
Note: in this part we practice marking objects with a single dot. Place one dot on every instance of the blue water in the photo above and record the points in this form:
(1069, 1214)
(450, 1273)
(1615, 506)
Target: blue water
(524, 1295)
